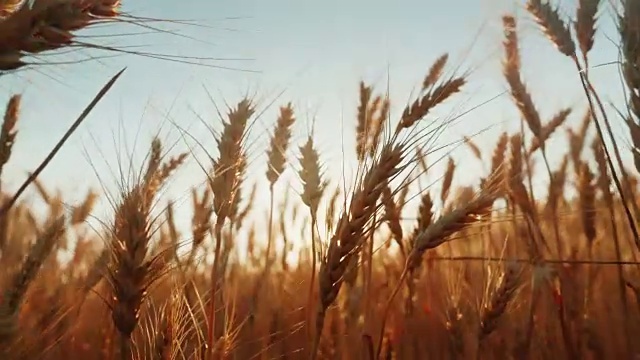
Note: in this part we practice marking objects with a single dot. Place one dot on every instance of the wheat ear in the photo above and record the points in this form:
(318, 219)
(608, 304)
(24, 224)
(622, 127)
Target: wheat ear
(132, 270)
(33, 27)
(8, 132)
(352, 229)
(498, 304)
(225, 184)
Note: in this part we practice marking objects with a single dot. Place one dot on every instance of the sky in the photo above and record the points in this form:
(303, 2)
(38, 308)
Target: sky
(311, 53)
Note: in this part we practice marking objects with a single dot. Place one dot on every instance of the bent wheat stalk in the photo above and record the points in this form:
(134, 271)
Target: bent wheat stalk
(105, 89)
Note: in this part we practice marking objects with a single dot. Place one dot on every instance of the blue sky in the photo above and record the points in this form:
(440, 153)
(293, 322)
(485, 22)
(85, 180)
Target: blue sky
(312, 53)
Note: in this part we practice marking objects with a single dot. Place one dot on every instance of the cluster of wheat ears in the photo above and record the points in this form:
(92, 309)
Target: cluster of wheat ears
(552, 277)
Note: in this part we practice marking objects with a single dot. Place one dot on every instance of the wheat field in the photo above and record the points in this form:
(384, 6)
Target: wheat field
(389, 268)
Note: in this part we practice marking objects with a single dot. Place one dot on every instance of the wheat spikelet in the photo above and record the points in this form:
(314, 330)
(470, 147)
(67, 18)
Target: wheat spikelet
(438, 95)
(557, 184)
(447, 180)
(587, 202)
(391, 213)
(425, 218)
(421, 157)
(8, 132)
(585, 25)
(42, 191)
(549, 129)
(81, 252)
(435, 71)
(498, 156)
(242, 215)
(362, 125)
(331, 209)
(425, 214)
(96, 270)
(311, 176)
(497, 306)
(516, 161)
(41, 25)
(511, 71)
(463, 195)
(554, 28)
(169, 241)
(577, 140)
(155, 158)
(603, 181)
(402, 196)
(453, 221)
(434, 96)
(373, 125)
(279, 144)
(377, 126)
(201, 219)
(371, 115)
(371, 111)
(229, 168)
(169, 167)
(80, 213)
(473, 147)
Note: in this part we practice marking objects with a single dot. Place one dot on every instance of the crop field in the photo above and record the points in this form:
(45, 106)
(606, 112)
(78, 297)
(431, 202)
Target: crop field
(394, 261)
